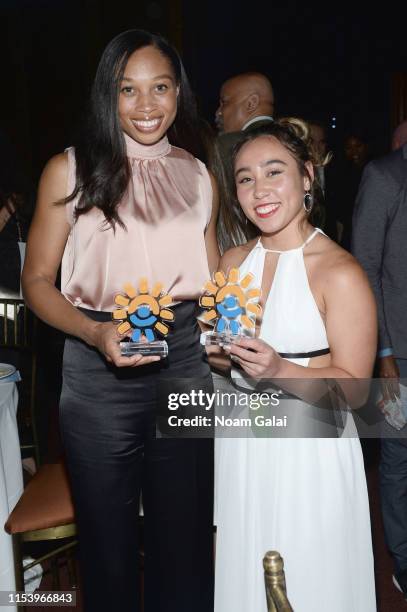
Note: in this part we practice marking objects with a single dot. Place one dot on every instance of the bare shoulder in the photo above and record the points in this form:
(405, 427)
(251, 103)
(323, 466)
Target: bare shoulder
(54, 179)
(334, 268)
(234, 257)
(56, 167)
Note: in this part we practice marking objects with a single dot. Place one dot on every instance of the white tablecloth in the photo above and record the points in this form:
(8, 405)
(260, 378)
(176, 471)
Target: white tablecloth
(11, 481)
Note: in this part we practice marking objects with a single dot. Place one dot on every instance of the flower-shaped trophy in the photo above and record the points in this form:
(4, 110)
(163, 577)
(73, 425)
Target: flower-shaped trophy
(146, 314)
(231, 306)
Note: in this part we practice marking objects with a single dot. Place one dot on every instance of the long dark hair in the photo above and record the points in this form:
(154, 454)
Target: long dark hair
(233, 227)
(102, 168)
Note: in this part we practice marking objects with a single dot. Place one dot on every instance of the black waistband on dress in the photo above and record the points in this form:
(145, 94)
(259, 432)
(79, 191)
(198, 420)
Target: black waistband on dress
(324, 351)
(182, 309)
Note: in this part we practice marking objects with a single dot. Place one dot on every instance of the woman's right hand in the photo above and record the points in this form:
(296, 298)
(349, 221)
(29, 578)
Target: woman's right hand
(217, 358)
(107, 340)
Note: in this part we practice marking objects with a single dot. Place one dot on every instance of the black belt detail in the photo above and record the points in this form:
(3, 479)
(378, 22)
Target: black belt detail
(324, 351)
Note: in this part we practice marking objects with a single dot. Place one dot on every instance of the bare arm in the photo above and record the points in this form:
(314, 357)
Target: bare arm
(46, 243)
(352, 335)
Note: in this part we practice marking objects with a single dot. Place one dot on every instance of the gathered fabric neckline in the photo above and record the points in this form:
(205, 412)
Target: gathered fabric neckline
(137, 150)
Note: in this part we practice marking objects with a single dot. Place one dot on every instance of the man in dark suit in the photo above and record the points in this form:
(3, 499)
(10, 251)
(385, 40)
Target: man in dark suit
(379, 241)
(246, 101)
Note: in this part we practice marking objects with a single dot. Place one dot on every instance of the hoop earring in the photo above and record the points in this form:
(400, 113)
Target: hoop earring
(308, 202)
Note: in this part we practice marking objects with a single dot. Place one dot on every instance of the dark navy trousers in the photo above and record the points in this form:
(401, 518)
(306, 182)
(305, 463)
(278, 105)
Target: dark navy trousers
(393, 489)
(108, 428)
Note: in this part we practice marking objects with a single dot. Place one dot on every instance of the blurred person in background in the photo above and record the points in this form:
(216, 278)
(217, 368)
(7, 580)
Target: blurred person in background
(356, 156)
(244, 100)
(325, 176)
(399, 137)
(379, 243)
(16, 204)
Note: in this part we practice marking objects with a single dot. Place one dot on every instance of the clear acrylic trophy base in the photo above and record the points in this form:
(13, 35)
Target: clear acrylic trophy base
(211, 338)
(154, 348)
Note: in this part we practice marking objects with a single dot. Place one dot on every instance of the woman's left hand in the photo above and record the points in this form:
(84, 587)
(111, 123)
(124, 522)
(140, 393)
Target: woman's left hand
(256, 357)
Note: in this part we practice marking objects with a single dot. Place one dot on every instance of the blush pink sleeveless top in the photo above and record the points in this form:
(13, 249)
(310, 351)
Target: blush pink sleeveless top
(166, 210)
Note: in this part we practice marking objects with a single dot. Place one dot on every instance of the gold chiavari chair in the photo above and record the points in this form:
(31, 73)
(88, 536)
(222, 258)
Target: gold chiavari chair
(44, 512)
(17, 337)
(274, 577)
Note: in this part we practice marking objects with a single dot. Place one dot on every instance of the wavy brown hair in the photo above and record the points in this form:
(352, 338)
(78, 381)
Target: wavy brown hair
(294, 134)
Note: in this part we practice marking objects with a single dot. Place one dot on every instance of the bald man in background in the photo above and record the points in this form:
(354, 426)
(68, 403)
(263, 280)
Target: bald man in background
(245, 101)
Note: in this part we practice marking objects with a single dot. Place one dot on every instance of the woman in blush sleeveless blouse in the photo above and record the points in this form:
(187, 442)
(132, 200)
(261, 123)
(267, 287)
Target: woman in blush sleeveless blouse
(298, 493)
(130, 201)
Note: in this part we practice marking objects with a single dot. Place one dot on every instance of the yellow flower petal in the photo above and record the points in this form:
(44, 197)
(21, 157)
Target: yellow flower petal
(124, 327)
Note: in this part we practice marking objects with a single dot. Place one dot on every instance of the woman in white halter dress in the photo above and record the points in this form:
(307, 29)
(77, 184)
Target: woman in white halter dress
(304, 497)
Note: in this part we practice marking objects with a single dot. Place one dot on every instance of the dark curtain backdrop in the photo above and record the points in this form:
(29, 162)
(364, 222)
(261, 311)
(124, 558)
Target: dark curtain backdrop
(324, 62)
(398, 98)
(49, 50)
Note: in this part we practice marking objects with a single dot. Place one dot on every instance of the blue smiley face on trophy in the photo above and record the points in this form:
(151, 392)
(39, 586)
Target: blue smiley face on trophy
(142, 315)
(232, 307)
(229, 311)
(143, 321)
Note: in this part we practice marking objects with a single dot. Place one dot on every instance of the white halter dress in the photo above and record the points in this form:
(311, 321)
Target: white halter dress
(304, 497)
